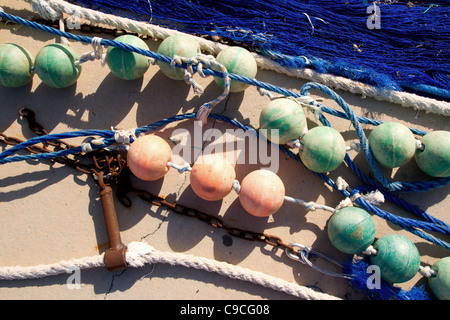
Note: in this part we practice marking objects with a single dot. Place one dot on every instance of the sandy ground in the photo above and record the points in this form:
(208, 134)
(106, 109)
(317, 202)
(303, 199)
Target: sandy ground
(50, 213)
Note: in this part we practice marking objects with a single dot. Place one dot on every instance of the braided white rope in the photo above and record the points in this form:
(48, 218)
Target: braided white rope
(140, 253)
(42, 271)
(53, 10)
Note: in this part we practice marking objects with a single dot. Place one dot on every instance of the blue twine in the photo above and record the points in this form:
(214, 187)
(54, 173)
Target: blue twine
(411, 225)
(358, 269)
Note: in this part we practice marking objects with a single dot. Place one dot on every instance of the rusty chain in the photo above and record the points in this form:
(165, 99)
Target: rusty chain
(110, 167)
(125, 186)
(108, 162)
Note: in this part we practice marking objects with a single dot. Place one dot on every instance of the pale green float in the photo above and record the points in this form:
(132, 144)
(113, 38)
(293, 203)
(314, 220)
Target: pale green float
(351, 230)
(440, 283)
(392, 144)
(177, 45)
(323, 149)
(55, 65)
(125, 64)
(239, 61)
(16, 65)
(434, 159)
(397, 257)
(284, 115)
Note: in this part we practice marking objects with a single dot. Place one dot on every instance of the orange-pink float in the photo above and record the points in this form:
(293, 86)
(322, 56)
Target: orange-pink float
(262, 193)
(148, 156)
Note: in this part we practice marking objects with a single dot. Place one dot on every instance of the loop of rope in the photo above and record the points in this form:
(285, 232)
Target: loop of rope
(96, 54)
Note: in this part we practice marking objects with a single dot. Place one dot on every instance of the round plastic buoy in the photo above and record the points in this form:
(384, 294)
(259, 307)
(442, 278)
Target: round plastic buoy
(239, 61)
(323, 149)
(283, 119)
(434, 159)
(126, 64)
(351, 230)
(392, 144)
(55, 65)
(177, 45)
(148, 156)
(440, 283)
(212, 177)
(262, 193)
(16, 65)
(397, 257)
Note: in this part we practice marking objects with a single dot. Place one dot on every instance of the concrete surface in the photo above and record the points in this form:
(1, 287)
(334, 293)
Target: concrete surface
(50, 213)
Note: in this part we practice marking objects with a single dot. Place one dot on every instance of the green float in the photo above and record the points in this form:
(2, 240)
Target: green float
(128, 65)
(392, 144)
(351, 230)
(55, 65)
(434, 159)
(16, 65)
(286, 117)
(323, 149)
(177, 45)
(397, 257)
(239, 61)
(440, 283)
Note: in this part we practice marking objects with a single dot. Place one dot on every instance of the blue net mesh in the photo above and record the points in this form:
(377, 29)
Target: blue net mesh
(409, 51)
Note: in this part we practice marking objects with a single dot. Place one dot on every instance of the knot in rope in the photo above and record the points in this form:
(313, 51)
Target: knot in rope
(138, 253)
(341, 183)
(370, 250)
(125, 136)
(347, 202)
(427, 272)
(310, 206)
(96, 54)
(86, 146)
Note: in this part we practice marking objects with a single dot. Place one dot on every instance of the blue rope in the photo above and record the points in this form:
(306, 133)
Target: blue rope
(410, 225)
(107, 139)
(396, 186)
(209, 72)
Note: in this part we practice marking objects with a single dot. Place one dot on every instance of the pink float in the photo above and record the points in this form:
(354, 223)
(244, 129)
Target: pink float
(212, 177)
(148, 156)
(262, 193)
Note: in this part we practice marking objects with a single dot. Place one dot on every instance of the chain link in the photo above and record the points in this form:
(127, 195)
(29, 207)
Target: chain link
(110, 163)
(125, 186)
(110, 167)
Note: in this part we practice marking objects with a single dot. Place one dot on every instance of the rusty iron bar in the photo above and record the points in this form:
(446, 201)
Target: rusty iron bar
(115, 256)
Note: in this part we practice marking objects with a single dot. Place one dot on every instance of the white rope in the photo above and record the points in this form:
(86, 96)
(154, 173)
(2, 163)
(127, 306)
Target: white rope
(426, 271)
(53, 9)
(370, 250)
(42, 271)
(140, 253)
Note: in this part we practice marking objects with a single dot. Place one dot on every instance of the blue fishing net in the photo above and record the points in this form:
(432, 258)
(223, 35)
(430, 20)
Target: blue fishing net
(405, 47)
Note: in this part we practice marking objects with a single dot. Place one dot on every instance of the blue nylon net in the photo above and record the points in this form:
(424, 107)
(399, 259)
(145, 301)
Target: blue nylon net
(410, 51)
